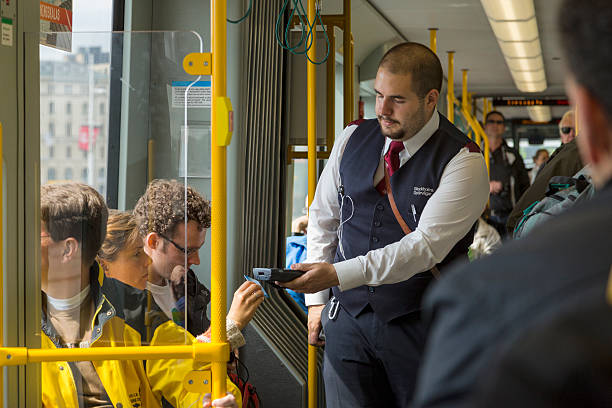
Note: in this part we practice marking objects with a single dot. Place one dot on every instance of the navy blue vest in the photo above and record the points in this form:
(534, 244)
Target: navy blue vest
(373, 224)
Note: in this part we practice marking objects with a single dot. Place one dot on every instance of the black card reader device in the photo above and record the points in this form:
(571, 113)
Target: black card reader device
(276, 274)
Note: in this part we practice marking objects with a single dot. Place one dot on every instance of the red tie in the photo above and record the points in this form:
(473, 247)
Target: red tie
(392, 156)
(392, 162)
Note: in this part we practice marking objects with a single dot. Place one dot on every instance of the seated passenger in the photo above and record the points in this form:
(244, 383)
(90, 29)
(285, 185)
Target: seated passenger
(160, 214)
(126, 266)
(564, 161)
(75, 313)
(539, 160)
(475, 312)
(122, 256)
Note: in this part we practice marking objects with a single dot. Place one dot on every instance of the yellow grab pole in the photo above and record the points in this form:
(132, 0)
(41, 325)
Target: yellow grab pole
(464, 92)
(312, 172)
(203, 352)
(433, 40)
(576, 119)
(347, 68)
(450, 92)
(485, 109)
(218, 262)
(1, 265)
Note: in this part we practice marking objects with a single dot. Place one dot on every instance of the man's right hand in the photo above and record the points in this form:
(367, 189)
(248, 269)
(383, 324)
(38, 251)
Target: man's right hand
(314, 325)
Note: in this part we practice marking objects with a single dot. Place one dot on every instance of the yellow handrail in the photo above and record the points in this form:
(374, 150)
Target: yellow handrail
(312, 176)
(433, 39)
(450, 91)
(218, 263)
(214, 352)
(1, 263)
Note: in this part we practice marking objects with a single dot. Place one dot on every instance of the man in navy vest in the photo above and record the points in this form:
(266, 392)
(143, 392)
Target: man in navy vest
(439, 184)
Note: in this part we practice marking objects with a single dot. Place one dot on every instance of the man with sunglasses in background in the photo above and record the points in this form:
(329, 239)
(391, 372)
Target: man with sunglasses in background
(565, 161)
(160, 213)
(508, 177)
(567, 127)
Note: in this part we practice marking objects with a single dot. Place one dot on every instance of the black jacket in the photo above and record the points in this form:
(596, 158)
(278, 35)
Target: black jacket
(473, 311)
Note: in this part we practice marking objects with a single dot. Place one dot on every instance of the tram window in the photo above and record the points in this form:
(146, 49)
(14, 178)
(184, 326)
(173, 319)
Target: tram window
(528, 150)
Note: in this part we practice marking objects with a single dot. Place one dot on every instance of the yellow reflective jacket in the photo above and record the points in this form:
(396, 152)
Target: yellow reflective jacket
(126, 382)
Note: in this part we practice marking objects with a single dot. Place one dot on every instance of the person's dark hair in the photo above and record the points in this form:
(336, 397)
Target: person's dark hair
(417, 60)
(162, 207)
(538, 153)
(494, 112)
(121, 233)
(586, 41)
(75, 210)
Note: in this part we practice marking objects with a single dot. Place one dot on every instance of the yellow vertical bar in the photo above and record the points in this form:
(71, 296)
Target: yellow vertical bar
(464, 92)
(485, 108)
(150, 160)
(312, 174)
(450, 92)
(576, 118)
(1, 263)
(433, 39)
(331, 89)
(346, 51)
(218, 262)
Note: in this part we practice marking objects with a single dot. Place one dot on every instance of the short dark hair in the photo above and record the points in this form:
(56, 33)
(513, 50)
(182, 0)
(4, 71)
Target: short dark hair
(418, 61)
(586, 40)
(75, 210)
(496, 113)
(162, 207)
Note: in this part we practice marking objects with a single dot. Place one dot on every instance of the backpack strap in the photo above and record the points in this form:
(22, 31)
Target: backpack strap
(400, 220)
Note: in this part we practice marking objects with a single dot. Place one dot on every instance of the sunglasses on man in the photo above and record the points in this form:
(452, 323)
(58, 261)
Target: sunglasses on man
(495, 122)
(566, 129)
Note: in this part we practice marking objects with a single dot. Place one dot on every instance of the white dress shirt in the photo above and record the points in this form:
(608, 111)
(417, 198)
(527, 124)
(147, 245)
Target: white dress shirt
(448, 215)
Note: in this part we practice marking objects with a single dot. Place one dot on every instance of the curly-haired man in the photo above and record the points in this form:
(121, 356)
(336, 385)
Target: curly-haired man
(160, 213)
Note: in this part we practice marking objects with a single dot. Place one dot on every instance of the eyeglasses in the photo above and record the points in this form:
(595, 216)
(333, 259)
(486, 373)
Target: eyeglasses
(566, 129)
(495, 122)
(189, 251)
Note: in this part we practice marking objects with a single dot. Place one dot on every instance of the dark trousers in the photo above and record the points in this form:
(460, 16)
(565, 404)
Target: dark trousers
(370, 363)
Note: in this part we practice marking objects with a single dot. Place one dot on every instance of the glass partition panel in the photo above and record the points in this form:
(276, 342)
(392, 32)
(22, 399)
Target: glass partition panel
(117, 247)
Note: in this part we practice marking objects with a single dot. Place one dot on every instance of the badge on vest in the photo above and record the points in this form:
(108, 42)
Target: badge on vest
(423, 191)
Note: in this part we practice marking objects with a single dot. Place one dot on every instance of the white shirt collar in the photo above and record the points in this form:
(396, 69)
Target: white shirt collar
(412, 145)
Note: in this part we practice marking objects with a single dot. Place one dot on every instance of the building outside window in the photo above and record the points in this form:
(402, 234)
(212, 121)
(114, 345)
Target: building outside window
(68, 152)
(68, 173)
(69, 108)
(51, 107)
(50, 173)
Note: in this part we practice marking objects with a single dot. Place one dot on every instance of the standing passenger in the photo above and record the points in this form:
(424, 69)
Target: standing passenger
(476, 312)
(509, 178)
(374, 337)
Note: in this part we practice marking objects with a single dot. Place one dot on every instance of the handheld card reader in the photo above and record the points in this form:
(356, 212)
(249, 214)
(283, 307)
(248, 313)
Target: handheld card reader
(276, 274)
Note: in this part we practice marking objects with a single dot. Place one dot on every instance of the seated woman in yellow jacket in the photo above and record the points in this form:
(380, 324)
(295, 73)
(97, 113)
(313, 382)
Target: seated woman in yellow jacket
(76, 314)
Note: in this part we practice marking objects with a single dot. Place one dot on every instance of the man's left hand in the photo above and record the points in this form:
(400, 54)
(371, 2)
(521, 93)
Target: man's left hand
(318, 276)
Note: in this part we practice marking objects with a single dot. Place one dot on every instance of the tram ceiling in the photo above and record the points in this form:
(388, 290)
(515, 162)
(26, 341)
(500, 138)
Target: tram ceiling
(463, 27)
